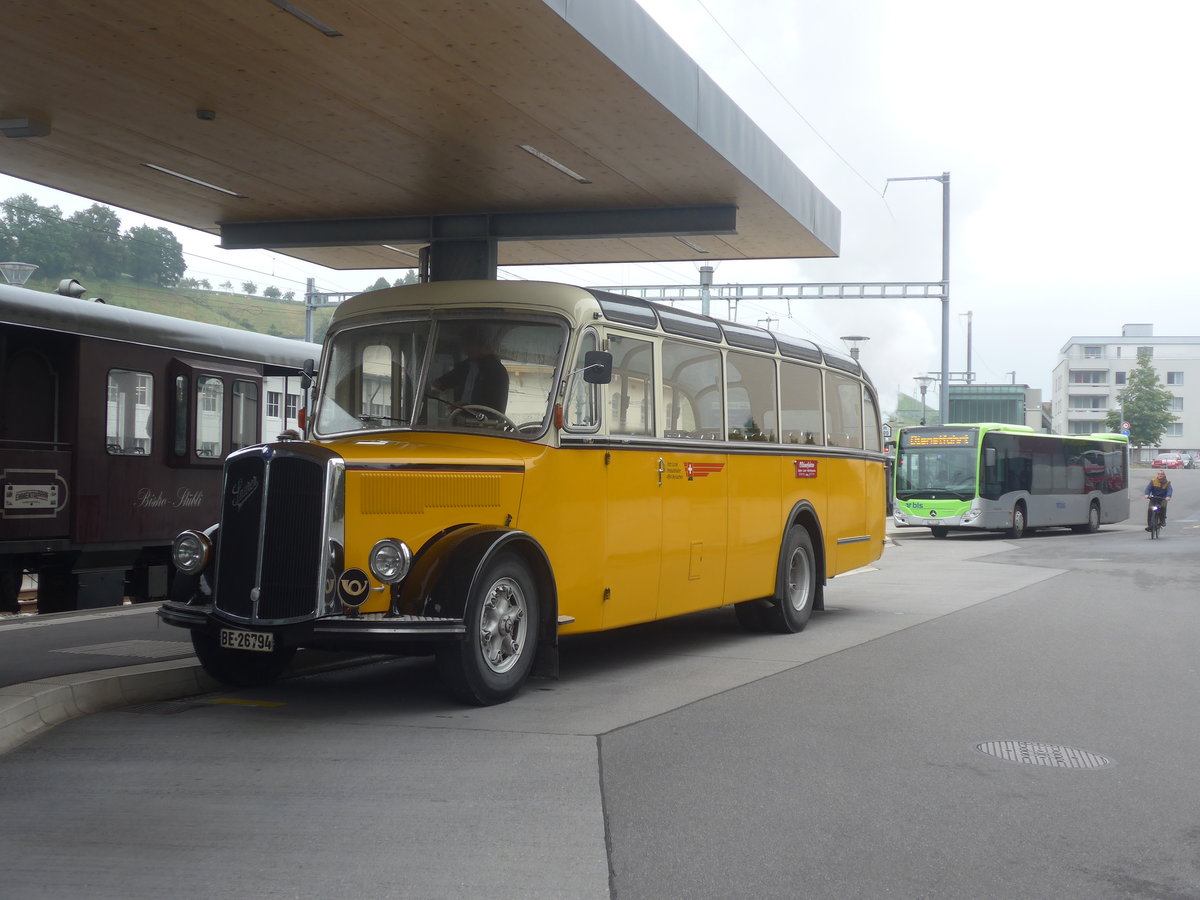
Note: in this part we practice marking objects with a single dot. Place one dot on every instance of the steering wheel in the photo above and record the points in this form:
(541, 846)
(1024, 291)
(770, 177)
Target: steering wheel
(484, 415)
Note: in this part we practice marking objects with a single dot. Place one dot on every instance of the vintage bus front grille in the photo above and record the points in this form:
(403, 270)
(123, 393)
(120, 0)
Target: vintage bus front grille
(288, 550)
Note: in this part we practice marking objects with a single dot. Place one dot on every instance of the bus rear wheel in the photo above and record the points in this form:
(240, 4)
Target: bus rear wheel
(1017, 529)
(796, 584)
(1093, 521)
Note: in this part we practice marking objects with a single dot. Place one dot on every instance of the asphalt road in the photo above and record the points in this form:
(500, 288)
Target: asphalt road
(686, 759)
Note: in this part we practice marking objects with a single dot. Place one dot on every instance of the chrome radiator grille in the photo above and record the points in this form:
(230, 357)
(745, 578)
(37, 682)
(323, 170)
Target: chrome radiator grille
(272, 514)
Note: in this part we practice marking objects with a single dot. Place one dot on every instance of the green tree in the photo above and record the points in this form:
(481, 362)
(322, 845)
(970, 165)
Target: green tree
(32, 233)
(379, 285)
(1145, 404)
(154, 255)
(249, 287)
(272, 292)
(99, 249)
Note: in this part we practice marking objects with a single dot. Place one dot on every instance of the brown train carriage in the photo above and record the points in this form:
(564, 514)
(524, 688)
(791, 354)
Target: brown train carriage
(114, 425)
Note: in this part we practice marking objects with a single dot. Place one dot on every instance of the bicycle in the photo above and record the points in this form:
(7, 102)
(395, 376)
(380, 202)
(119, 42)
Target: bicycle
(1154, 518)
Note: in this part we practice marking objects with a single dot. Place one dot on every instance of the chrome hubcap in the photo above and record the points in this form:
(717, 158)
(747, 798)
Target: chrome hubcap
(502, 624)
(798, 578)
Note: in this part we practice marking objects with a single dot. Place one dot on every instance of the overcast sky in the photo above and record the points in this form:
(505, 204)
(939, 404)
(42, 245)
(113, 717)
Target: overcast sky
(1069, 130)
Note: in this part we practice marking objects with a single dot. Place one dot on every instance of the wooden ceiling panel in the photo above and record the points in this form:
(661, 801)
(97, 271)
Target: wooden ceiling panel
(417, 109)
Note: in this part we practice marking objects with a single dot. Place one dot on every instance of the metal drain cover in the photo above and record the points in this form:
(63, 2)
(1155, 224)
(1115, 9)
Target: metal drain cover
(1035, 753)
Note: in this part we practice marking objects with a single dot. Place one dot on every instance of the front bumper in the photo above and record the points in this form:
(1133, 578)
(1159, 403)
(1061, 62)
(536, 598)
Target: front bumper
(363, 630)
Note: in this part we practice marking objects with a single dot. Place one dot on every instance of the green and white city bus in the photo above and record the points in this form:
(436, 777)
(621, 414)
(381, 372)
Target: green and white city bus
(1008, 478)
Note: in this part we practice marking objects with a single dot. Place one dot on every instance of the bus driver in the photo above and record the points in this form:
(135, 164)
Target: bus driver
(480, 379)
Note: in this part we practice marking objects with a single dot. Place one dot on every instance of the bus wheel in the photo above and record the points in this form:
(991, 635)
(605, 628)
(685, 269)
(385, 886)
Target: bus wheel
(240, 668)
(796, 584)
(491, 663)
(939, 531)
(1017, 529)
(1093, 522)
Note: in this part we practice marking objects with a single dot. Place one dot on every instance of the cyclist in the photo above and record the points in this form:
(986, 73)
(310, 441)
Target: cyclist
(1159, 489)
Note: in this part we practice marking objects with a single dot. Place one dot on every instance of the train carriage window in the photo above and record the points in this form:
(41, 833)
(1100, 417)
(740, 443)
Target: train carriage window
(210, 417)
(273, 403)
(129, 415)
(692, 398)
(801, 421)
(753, 412)
(182, 396)
(631, 390)
(245, 415)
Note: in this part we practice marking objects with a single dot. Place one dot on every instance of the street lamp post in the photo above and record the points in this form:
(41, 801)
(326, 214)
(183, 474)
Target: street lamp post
(944, 390)
(923, 382)
(854, 340)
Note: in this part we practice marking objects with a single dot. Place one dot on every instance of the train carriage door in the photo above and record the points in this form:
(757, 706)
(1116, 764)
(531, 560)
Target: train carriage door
(633, 491)
(695, 480)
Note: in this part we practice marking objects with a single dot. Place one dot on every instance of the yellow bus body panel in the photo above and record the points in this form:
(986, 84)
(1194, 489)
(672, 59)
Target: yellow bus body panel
(632, 535)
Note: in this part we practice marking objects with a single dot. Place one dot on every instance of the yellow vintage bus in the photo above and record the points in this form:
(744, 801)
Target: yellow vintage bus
(490, 465)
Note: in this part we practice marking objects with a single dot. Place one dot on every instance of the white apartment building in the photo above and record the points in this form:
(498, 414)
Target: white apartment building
(1092, 371)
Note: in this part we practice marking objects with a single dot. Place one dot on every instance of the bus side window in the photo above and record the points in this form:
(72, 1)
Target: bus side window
(843, 403)
(872, 438)
(692, 390)
(581, 412)
(632, 387)
(801, 420)
(753, 410)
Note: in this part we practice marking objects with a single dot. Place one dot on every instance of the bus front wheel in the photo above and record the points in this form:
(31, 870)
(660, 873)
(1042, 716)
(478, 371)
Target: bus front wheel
(1017, 529)
(796, 589)
(491, 662)
(939, 531)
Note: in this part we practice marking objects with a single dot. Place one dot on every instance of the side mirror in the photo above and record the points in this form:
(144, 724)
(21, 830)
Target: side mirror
(597, 367)
(308, 371)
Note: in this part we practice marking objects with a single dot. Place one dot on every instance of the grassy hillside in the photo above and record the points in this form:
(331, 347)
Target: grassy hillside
(258, 314)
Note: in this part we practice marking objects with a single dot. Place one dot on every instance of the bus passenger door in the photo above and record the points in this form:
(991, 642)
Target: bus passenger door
(695, 532)
(633, 537)
(633, 524)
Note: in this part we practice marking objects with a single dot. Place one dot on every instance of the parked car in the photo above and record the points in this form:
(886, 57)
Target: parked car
(1172, 461)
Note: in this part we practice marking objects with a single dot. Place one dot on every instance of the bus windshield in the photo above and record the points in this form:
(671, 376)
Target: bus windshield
(495, 373)
(933, 473)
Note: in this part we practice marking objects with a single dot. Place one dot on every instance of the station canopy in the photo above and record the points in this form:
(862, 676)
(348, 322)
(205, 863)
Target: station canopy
(351, 133)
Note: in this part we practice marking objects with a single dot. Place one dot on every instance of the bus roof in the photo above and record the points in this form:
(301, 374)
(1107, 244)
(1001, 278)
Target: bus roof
(581, 305)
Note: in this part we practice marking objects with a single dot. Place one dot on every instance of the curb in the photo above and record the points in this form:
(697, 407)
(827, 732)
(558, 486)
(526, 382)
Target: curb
(26, 710)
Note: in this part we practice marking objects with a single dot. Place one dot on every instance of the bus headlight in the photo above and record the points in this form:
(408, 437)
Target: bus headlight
(191, 552)
(390, 560)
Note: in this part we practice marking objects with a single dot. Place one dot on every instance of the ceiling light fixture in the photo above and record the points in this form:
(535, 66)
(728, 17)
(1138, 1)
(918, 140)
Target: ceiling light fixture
(688, 243)
(400, 250)
(24, 127)
(327, 30)
(570, 173)
(189, 178)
